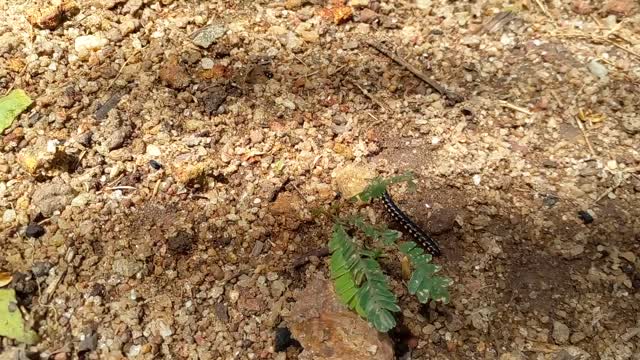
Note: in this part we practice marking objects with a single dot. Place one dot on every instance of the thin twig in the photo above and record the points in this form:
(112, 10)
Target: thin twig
(337, 70)
(452, 96)
(121, 188)
(617, 184)
(598, 39)
(586, 137)
(321, 252)
(514, 107)
(15, 80)
(135, 53)
(156, 188)
(299, 59)
(555, 96)
(51, 289)
(373, 98)
(543, 8)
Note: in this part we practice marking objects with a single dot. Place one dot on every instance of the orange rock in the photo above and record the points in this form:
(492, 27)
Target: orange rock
(174, 75)
(620, 7)
(340, 13)
(581, 7)
(52, 16)
(286, 204)
(327, 330)
(216, 72)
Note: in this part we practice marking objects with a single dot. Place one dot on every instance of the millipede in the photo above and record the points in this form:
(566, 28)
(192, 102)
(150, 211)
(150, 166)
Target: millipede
(421, 237)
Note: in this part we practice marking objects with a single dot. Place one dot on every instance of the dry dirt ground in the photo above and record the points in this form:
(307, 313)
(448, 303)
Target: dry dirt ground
(175, 182)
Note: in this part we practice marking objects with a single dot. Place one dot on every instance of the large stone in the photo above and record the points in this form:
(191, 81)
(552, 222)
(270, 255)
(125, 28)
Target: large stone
(327, 330)
(353, 179)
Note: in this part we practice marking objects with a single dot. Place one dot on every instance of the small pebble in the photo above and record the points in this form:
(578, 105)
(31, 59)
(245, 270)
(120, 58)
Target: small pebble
(207, 63)
(34, 230)
(550, 200)
(154, 164)
(597, 69)
(585, 216)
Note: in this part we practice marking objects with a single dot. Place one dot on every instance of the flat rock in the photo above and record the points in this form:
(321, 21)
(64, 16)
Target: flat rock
(52, 196)
(561, 332)
(208, 35)
(326, 329)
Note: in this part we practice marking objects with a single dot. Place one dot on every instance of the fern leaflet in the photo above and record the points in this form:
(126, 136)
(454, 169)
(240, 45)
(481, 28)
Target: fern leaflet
(423, 283)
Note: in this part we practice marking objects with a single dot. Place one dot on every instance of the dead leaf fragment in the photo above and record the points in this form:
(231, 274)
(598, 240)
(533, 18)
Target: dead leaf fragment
(5, 278)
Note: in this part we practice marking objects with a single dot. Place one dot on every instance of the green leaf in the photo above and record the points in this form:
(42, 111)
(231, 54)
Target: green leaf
(376, 232)
(390, 236)
(359, 281)
(378, 186)
(11, 322)
(423, 283)
(11, 106)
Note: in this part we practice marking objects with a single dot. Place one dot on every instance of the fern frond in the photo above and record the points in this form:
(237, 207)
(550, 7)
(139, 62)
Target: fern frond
(423, 283)
(378, 186)
(376, 232)
(359, 281)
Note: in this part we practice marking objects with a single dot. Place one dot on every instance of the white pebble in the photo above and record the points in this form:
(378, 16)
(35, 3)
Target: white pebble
(206, 63)
(9, 216)
(476, 179)
(87, 43)
(216, 292)
(153, 150)
(233, 296)
(52, 146)
(597, 69)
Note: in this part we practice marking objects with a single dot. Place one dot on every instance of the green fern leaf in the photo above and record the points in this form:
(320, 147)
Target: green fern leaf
(376, 232)
(359, 281)
(423, 283)
(378, 186)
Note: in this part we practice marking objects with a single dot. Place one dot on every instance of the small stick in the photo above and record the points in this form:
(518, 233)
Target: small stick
(555, 96)
(51, 289)
(514, 107)
(373, 98)
(301, 61)
(452, 96)
(617, 184)
(156, 188)
(321, 252)
(586, 137)
(338, 69)
(15, 80)
(121, 188)
(543, 8)
(376, 122)
(126, 61)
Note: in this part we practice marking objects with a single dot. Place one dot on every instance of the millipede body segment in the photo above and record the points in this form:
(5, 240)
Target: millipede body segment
(421, 237)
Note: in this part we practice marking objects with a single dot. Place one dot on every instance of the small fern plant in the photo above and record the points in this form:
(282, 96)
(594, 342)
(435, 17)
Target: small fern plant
(359, 280)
